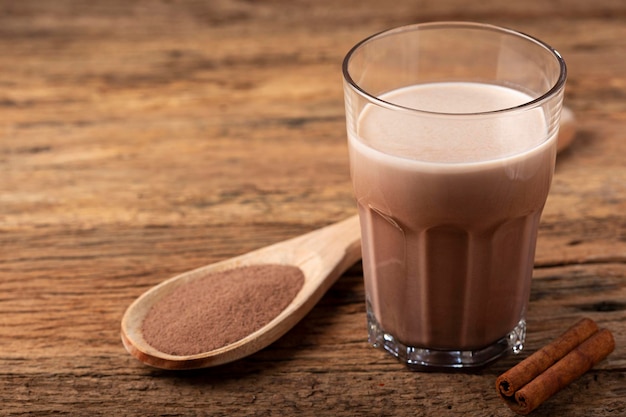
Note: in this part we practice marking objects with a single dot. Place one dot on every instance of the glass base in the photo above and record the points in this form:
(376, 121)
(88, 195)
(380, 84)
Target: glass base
(423, 359)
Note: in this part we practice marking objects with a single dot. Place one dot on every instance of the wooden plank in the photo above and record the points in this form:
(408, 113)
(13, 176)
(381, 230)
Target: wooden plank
(141, 139)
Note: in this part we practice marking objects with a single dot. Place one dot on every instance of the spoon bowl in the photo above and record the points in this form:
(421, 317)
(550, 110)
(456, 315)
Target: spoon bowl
(322, 255)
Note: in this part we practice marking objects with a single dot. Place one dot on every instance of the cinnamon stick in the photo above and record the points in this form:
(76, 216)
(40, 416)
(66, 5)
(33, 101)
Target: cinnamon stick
(565, 370)
(520, 375)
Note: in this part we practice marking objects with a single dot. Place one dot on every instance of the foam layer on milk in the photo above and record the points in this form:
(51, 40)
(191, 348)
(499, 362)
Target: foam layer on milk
(457, 123)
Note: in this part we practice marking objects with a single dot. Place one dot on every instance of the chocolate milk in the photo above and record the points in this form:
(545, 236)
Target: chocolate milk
(449, 208)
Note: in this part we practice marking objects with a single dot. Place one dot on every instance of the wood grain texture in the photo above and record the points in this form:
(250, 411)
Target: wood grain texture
(140, 139)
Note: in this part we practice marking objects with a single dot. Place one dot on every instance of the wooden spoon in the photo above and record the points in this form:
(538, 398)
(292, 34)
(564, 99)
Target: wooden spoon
(322, 255)
(567, 129)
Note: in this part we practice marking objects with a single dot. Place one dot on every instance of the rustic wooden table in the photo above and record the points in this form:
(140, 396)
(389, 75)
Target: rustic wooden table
(141, 139)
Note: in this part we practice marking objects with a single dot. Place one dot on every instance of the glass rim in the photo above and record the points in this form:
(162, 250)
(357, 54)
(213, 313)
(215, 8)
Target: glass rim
(536, 102)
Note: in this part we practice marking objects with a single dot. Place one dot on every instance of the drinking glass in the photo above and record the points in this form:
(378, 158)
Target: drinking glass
(452, 130)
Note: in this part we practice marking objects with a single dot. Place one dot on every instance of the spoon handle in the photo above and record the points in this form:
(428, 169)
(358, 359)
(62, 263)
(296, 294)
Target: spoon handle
(336, 248)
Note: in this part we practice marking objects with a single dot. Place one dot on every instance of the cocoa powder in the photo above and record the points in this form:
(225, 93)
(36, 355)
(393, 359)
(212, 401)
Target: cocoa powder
(220, 308)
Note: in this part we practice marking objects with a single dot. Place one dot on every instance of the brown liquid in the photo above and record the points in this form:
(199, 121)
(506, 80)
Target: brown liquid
(448, 249)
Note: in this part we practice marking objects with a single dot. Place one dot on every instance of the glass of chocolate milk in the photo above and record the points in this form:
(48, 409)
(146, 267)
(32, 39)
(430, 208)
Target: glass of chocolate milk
(452, 131)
